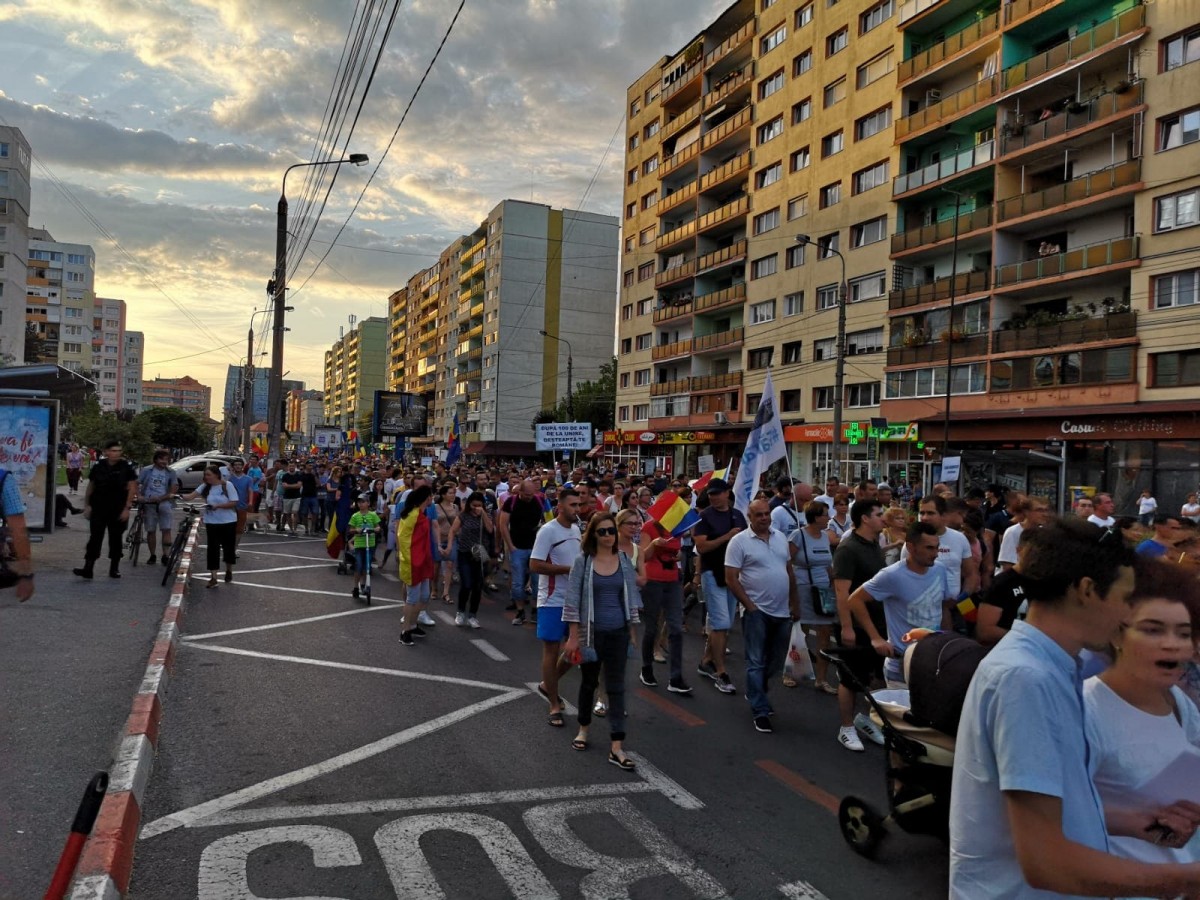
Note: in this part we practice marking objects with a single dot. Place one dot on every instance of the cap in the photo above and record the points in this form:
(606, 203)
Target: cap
(717, 486)
(784, 482)
(366, 497)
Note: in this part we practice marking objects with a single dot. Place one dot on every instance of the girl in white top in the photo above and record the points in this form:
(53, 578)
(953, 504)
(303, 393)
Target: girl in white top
(1139, 721)
(220, 521)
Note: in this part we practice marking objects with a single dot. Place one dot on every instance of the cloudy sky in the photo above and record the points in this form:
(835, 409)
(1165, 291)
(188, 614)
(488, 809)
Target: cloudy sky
(171, 122)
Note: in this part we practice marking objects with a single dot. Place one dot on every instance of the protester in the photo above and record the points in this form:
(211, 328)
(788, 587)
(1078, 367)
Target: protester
(468, 535)
(812, 563)
(954, 550)
(1104, 511)
(840, 521)
(74, 468)
(446, 510)
(244, 485)
(414, 545)
(363, 526)
(17, 555)
(156, 486)
(554, 552)
(520, 516)
(1147, 508)
(718, 525)
(1167, 533)
(1028, 513)
(662, 598)
(112, 486)
(220, 521)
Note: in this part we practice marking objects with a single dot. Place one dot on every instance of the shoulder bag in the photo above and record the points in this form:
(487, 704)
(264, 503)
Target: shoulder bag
(824, 600)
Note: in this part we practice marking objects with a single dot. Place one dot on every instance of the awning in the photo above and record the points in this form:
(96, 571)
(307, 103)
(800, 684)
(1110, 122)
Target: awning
(60, 382)
(502, 448)
(595, 451)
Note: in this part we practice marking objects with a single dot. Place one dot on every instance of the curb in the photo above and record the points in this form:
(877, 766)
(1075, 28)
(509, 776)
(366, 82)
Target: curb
(107, 861)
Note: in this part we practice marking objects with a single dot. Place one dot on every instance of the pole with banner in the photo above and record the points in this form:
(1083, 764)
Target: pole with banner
(764, 446)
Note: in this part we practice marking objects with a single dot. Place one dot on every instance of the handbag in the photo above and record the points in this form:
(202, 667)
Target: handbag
(824, 600)
(480, 553)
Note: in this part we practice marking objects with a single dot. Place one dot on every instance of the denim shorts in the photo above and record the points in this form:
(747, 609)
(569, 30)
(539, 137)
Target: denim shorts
(417, 593)
(720, 602)
(550, 625)
(360, 559)
(309, 506)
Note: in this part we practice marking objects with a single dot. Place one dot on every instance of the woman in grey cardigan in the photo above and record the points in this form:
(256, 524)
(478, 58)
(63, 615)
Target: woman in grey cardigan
(602, 603)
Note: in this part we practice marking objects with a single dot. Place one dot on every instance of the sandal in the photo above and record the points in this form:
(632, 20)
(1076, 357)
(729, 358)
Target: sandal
(541, 689)
(789, 681)
(580, 743)
(622, 762)
(212, 583)
(556, 720)
(600, 709)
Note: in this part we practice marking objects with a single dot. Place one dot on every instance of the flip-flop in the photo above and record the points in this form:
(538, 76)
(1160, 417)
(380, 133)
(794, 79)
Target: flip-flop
(541, 689)
(579, 744)
(556, 720)
(622, 762)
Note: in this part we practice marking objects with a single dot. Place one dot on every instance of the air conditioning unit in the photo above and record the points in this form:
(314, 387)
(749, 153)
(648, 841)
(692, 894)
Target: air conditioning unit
(720, 418)
(933, 95)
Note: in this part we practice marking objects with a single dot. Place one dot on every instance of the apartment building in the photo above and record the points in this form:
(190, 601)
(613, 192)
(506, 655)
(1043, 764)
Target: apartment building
(355, 368)
(15, 158)
(108, 335)
(305, 411)
(1044, 259)
(60, 300)
(184, 393)
(235, 386)
(774, 121)
(131, 372)
(466, 333)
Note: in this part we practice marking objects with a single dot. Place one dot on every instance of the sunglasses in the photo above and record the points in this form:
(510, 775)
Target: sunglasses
(601, 532)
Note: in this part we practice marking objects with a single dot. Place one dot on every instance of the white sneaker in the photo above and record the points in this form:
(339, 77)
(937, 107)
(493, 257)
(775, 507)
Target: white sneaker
(849, 739)
(460, 619)
(425, 619)
(474, 622)
(869, 728)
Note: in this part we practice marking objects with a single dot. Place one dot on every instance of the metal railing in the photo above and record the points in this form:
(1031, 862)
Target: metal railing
(726, 128)
(1082, 44)
(687, 117)
(737, 165)
(673, 199)
(716, 382)
(687, 77)
(931, 56)
(1115, 326)
(672, 311)
(738, 207)
(964, 346)
(736, 250)
(973, 93)
(729, 85)
(1019, 135)
(1018, 9)
(733, 294)
(718, 340)
(675, 235)
(745, 30)
(913, 8)
(941, 231)
(691, 151)
(965, 283)
(978, 155)
(1090, 185)
(665, 388)
(675, 273)
(667, 351)
(1077, 259)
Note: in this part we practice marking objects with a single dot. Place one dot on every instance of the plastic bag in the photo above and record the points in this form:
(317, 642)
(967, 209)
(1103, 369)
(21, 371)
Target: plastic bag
(799, 661)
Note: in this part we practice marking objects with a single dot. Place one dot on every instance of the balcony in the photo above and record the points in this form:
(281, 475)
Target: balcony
(1019, 9)
(938, 53)
(1073, 262)
(477, 309)
(671, 351)
(675, 198)
(736, 209)
(736, 166)
(672, 311)
(466, 255)
(675, 273)
(1019, 136)
(470, 273)
(1081, 45)
(730, 296)
(723, 382)
(675, 237)
(979, 155)
(664, 388)
(744, 32)
(733, 253)
(960, 347)
(722, 340)
(965, 284)
(959, 102)
(1093, 184)
(941, 231)
(912, 8)
(687, 117)
(671, 163)
(729, 84)
(727, 129)
(690, 74)
(1115, 326)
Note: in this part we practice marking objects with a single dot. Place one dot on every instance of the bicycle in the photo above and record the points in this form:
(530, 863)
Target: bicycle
(136, 534)
(181, 536)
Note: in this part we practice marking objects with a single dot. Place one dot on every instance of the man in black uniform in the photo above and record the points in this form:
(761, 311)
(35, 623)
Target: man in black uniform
(112, 486)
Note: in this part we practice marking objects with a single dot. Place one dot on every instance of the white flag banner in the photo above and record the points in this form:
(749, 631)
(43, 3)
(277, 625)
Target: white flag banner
(764, 446)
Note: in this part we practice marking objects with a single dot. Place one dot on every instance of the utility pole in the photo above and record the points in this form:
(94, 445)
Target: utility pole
(248, 394)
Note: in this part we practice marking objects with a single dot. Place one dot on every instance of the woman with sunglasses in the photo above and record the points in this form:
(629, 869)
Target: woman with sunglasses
(628, 525)
(601, 605)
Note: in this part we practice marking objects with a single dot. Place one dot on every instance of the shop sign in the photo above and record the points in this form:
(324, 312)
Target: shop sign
(666, 437)
(686, 437)
(630, 437)
(853, 433)
(1123, 426)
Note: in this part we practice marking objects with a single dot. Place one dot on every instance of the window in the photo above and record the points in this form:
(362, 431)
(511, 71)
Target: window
(827, 296)
(793, 257)
(634, 140)
(863, 394)
(3, 150)
(78, 277)
(769, 175)
(827, 244)
(870, 177)
(835, 92)
(800, 159)
(767, 4)
(868, 232)
(1177, 289)
(804, 15)
(631, 176)
(650, 165)
(769, 130)
(761, 313)
(1175, 369)
(626, 345)
(876, 16)
(802, 110)
(3, 233)
(763, 267)
(767, 221)
(1177, 130)
(791, 353)
(823, 398)
(635, 107)
(832, 143)
(770, 85)
(69, 347)
(867, 287)
(837, 42)
(802, 63)
(1176, 210)
(760, 358)
(627, 278)
(831, 195)
(645, 306)
(645, 341)
(624, 380)
(631, 210)
(651, 130)
(3, 178)
(967, 379)
(873, 69)
(1181, 50)
(645, 270)
(626, 312)
(647, 236)
(798, 207)
(641, 412)
(789, 401)
(650, 199)
(623, 414)
(772, 40)
(629, 243)
(873, 123)
(824, 349)
(793, 304)
(641, 377)
(869, 341)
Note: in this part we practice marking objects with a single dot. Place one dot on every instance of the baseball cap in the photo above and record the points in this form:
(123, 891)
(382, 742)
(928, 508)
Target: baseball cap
(717, 486)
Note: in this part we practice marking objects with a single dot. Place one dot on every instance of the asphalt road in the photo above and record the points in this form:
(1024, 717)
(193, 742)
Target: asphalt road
(305, 752)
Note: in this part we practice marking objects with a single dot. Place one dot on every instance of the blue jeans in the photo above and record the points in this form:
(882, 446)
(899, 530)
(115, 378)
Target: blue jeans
(470, 583)
(767, 639)
(518, 563)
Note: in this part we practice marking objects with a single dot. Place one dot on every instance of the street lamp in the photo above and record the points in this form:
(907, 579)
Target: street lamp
(958, 197)
(277, 288)
(570, 367)
(840, 369)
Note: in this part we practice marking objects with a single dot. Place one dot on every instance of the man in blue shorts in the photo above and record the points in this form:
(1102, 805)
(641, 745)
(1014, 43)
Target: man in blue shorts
(554, 551)
(718, 524)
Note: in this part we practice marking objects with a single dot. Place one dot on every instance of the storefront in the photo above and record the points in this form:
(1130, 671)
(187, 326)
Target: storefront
(675, 452)
(891, 452)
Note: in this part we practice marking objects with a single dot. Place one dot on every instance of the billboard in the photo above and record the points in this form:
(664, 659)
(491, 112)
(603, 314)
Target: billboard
(27, 439)
(400, 415)
(327, 437)
(564, 436)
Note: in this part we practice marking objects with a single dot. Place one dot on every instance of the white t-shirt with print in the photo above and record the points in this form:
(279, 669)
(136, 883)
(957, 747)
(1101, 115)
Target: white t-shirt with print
(559, 546)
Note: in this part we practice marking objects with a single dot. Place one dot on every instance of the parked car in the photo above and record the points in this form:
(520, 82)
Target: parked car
(190, 469)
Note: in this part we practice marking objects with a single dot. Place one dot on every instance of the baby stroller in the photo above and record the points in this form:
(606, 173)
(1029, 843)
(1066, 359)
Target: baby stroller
(919, 757)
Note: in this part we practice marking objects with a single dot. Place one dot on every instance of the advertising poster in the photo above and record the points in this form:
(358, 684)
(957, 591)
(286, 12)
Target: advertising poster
(400, 414)
(27, 454)
(327, 437)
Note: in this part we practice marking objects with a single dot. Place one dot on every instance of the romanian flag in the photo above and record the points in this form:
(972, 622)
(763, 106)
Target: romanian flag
(259, 445)
(335, 540)
(415, 548)
(702, 482)
(547, 511)
(453, 443)
(359, 452)
(967, 607)
(673, 513)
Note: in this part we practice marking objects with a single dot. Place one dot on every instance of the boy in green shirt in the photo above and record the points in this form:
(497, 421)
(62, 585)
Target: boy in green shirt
(363, 527)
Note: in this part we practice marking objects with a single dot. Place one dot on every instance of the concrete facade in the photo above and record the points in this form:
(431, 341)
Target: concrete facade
(60, 300)
(355, 368)
(131, 372)
(231, 403)
(15, 158)
(108, 360)
(184, 393)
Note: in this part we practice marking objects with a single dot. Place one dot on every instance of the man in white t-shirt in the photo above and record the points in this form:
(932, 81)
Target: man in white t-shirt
(954, 550)
(1104, 511)
(1036, 512)
(554, 551)
(1147, 507)
(832, 487)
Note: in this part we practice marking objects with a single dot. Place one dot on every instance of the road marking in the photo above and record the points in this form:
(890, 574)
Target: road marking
(444, 616)
(671, 709)
(281, 782)
(489, 651)
(243, 572)
(664, 784)
(412, 804)
(273, 625)
(332, 562)
(568, 708)
(223, 863)
(295, 590)
(801, 890)
(800, 784)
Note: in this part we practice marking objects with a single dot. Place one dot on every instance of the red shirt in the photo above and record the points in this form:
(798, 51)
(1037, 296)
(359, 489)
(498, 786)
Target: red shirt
(662, 563)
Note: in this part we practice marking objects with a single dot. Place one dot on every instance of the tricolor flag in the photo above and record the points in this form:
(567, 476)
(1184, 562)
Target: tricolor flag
(453, 442)
(701, 483)
(764, 446)
(260, 446)
(547, 509)
(335, 539)
(673, 513)
(967, 607)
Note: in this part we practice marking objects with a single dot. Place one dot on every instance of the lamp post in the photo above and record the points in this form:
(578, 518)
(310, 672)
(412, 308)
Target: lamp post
(950, 324)
(839, 377)
(277, 288)
(570, 367)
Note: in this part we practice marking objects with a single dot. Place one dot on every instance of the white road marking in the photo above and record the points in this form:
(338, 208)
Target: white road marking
(568, 708)
(332, 562)
(664, 784)
(801, 890)
(444, 616)
(282, 782)
(488, 650)
(295, 590)
(223, 864)
(273, 625)
(412, 804)
(243, 572)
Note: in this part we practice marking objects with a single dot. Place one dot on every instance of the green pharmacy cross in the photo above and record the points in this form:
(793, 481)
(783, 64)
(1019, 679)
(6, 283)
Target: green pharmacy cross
(854, 434)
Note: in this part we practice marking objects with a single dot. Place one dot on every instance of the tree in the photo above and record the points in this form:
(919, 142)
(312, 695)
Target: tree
(92, 427)
(595, 401)
(177, 429)
(37, 347)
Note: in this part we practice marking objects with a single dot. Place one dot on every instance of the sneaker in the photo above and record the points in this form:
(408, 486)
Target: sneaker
(723, 684)
(474, 622)
(418, 632)
(659, 657)
(868, 728)
(848, 738)
(406, 639)
(647, 677)
(763, 724)
(425, 619)
(354, 593)
(151, 559)
(460, 619)
(708, 670)
(679, 686)
(519, 618)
